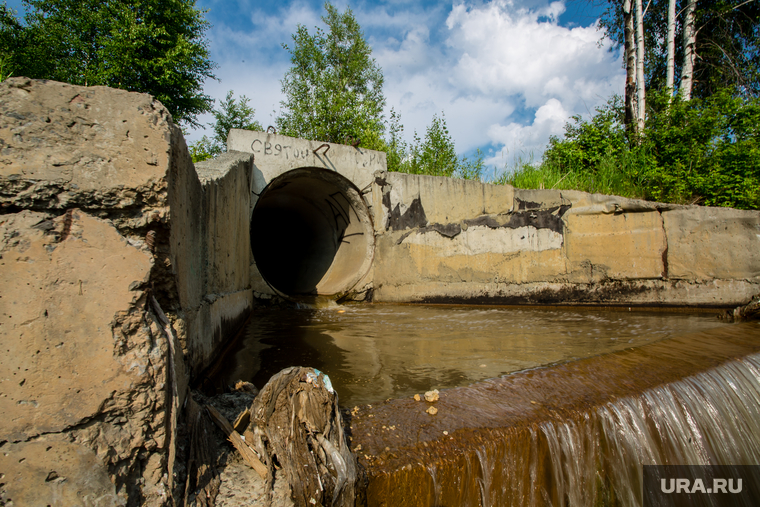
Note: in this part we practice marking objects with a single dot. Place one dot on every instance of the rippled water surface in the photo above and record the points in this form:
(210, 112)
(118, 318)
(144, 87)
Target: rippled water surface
(375, 352)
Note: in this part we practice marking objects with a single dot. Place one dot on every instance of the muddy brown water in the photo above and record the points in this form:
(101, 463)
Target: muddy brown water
(538, 406)
(375, 352)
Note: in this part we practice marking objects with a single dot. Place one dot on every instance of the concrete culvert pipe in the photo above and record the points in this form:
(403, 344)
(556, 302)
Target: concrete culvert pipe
(311, 233)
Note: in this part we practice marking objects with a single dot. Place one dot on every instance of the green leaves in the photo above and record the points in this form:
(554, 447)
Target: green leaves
(233, 114)
(334, 87)
(434, 155)
(150, 46)
(704, 151)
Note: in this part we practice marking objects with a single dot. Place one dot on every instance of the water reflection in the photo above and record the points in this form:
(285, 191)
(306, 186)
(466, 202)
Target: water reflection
(375, 352)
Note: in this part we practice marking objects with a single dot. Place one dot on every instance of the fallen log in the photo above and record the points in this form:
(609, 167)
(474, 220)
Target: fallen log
(295, 422)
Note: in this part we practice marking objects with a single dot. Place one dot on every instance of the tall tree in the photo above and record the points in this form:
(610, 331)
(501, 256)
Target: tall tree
(724, 43)
(631, 109)
(435, 155)
(689, 43)
(640, 84)
(151, 46)
(334, 88)
(671, 48)
(232, 114)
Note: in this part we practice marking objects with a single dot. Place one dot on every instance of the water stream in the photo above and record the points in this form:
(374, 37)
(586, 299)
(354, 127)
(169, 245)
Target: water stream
(538, 406)
(376, 352)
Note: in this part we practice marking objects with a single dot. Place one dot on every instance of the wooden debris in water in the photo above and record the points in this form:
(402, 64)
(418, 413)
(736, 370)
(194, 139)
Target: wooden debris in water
(295, 421)
(246, 387)
(746, 312)
(242, 421)
(248, 454)
(202, 476)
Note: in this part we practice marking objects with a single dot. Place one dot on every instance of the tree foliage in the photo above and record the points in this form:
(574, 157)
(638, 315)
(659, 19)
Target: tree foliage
(334, 89)
(704, 151)
(151, 46)
(727, 43)
(232, 114)
(434, 155)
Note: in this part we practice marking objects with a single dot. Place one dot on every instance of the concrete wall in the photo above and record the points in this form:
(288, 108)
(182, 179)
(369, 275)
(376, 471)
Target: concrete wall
(101, 210)
(443, 240)
(212, 245)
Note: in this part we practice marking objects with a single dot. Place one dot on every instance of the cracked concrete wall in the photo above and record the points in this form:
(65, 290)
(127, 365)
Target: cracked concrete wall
(444, 240)
(223, 298)
(101, 210)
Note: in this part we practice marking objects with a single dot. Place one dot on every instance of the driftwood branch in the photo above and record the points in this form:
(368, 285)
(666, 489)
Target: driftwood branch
(296, 422)
(234, 437)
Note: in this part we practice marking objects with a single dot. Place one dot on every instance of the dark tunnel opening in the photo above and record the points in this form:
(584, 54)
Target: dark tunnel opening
(311, 233)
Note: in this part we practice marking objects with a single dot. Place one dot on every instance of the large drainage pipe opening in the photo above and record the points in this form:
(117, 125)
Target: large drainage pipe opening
(311, 233)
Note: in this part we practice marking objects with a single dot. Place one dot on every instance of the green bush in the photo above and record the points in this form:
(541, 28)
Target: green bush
(699, 151)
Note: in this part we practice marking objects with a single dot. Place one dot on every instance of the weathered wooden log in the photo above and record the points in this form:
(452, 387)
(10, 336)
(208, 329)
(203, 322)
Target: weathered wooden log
(296, 422)
(240, 444)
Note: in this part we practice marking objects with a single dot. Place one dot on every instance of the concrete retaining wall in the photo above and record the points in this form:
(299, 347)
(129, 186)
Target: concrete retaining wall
(443, 240)
(216, 244)
(101, 210)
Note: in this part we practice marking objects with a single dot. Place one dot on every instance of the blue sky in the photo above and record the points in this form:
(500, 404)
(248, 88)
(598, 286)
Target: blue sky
(507, 74)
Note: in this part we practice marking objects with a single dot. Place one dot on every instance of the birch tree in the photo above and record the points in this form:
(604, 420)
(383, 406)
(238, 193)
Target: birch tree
(631, 111)
(671, 48)
(640, 89)
(689, 43)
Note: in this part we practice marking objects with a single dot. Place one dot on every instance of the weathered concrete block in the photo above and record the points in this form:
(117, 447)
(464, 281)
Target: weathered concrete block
(438, 242)
(708, 243)
(226, 181)
(55, 473)
(64, 146)
(616, 246)
(533, 199)
(85, 344)
(79, 345)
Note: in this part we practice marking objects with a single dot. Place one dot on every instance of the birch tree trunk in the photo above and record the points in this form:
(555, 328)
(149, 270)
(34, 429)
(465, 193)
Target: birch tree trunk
(671, 42)
(640, 91)
(689, 42)
(631, 111)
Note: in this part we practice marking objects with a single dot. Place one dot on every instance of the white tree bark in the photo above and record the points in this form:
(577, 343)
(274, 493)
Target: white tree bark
(640, 90)
(689, 43)
(671, 43)
(631, 110)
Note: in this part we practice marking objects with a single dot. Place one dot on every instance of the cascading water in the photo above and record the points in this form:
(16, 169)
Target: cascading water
(576, 434)
(709, 419)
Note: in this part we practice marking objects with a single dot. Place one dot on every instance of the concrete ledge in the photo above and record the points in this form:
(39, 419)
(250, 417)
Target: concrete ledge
(712, 293)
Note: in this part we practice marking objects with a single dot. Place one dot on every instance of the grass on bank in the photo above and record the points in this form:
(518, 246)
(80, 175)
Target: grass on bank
(691, 152)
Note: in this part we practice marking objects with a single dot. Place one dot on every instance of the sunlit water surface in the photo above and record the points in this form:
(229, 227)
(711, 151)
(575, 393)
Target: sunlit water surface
(375, 352)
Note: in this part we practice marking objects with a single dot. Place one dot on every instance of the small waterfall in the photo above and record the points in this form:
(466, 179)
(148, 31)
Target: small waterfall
(712, 418)
(577, 434)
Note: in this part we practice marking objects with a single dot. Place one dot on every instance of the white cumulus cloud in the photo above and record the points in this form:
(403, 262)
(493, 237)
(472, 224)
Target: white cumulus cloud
(525, 55)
